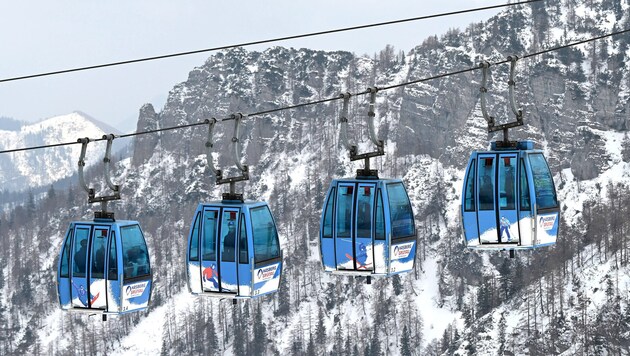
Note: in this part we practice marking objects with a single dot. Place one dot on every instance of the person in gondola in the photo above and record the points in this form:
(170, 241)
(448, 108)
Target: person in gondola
(363, 219)
(229, 241)
(79, 257)
(509, 189)
(99, 261)
(485, 193)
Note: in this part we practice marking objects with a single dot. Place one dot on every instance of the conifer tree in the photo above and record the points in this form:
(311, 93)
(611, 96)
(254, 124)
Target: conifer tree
(259, 344)
(405, 349)
(320, 331)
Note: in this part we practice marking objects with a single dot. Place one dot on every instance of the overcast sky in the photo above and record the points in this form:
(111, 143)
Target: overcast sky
(40, 36)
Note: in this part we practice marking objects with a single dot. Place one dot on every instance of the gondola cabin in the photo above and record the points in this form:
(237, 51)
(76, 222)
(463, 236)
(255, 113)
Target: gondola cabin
(104, 268)
(509, 199)
(367, 228)
(233, 250)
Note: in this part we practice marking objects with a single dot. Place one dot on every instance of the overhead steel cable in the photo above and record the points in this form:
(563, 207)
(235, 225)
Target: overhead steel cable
(252, 43)
(266, 112)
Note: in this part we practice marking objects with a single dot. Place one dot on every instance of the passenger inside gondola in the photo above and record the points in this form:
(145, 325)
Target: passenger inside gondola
(136, 262)
(113, 269)
(486, 194)
(507, 195)
(229, 240)
(98, 265)
(79, 257)
(364, 218)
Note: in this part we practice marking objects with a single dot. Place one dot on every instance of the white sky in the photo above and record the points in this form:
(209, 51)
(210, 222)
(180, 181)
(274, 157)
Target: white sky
(40, 36)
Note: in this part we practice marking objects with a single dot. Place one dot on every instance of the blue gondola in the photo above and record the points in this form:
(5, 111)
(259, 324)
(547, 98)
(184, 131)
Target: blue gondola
(233, 245)
(104, 264)
(367, 226)
(233, 250)
(509, 198)
(104, 267)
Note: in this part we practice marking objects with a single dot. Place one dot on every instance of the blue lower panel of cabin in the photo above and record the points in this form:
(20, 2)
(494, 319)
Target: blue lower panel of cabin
(328, 254)
(65, 298)
(229, 278)
(267, 278)
(113, 296)
(488, 226)
(344, 254)
(470, 228)
(244, 280)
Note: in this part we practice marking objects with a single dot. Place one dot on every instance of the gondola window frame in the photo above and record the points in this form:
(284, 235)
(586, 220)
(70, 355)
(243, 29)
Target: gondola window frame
(272, 245)
(485, 190)
(209, 240)
(87, 229)
(225, 220)
(525, 203)
(379, 227)
(469, 194)
(328, 224)
(193, 253)
(243, 245)
(95, 271)
(143, 248)
(392, 210)
(504, 179)
(64, 271)
(112, 258)
(345, 206)
(536, 162)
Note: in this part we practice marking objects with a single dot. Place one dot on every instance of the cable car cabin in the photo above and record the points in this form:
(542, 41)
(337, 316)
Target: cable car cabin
(104, 268)
(367, 228)
(233, 250)
(509, 200)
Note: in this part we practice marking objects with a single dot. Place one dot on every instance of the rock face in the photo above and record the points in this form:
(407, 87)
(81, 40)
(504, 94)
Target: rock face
(145, 144)
(564, 95)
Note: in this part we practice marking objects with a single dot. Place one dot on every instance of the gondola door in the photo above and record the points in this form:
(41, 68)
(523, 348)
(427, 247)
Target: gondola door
(209, 263)
(487, 211)
(98, 246)
(85, 268)
(79, 265)
(364, 245)
(344, 250)
(229, 237)
(507, 214)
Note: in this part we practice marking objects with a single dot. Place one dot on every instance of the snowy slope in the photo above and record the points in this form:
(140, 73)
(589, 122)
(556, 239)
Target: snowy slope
(23, 170)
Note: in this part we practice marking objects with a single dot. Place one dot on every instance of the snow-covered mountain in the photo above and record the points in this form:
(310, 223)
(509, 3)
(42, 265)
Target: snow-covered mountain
(569, 299)
(31, 169)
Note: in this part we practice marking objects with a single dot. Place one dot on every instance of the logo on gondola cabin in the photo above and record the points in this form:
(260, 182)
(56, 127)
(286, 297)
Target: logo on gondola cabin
(266, 273)
(547, 222)
(135, 290)
(402, 251)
